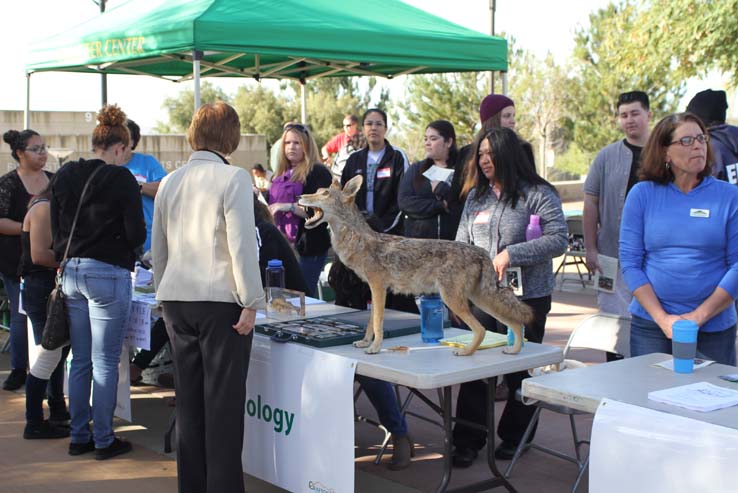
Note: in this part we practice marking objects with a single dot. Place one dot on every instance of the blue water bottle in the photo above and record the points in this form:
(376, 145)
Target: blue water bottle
(431, 318)
(511, 336)
(274, 274)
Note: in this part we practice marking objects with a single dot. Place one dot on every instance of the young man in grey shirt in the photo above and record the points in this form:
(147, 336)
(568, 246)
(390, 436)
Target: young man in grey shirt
(611, 176)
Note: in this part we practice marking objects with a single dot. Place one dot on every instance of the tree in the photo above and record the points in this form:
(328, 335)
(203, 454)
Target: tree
(605, 66)
(454, 97)
(540, 91)
(329, 99)
(180, 107)
(261, 111)
(697, 35)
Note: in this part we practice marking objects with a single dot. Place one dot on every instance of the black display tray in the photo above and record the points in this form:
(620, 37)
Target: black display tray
(336, 330)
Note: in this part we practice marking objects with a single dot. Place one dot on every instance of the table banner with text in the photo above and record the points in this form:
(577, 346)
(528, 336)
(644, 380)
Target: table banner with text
(299, 426)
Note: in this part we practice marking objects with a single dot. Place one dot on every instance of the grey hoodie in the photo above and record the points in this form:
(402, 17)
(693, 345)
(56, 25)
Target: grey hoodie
(494, 225)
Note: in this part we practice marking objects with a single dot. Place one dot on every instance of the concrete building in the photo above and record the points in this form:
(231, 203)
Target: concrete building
(67, 134)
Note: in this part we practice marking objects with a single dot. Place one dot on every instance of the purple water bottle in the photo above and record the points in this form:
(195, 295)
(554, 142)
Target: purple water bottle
(533, 230)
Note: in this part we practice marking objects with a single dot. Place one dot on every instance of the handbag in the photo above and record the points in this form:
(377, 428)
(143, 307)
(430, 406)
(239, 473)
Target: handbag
(56, 328)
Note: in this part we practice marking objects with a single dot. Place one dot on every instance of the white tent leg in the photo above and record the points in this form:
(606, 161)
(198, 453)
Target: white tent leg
(504, 83)
(27, 110)
(196, 57)
(303, 103)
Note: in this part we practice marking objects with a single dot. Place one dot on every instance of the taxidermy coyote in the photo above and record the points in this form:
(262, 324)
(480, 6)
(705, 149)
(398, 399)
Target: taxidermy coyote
(458, 271)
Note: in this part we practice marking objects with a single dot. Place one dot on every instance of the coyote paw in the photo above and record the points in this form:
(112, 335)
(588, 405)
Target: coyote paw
(373, 349)
(463, 351)
(362, 343)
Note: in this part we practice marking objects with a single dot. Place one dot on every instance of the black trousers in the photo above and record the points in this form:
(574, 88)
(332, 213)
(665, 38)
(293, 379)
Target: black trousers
(470, 404)
(211, 361)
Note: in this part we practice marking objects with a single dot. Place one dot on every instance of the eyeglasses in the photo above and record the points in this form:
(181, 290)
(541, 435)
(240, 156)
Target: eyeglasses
(347, 125)
(689, 140)
(370, 123)
(37, 149)
(298, 127)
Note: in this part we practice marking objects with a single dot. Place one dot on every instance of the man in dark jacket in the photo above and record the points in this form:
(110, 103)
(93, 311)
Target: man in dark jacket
(711, 106)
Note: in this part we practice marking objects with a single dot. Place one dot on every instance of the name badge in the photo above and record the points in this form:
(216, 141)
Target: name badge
(140, 178)
(699, 213)
(384, 172)
(482, 217)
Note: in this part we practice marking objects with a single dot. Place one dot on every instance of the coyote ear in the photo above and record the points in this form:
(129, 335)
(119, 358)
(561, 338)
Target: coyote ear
(352, 186)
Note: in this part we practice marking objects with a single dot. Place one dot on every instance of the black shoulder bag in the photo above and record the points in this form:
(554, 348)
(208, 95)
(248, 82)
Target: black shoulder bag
(56, 328)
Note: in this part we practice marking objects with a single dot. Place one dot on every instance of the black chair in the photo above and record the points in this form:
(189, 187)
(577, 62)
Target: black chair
(575, 253)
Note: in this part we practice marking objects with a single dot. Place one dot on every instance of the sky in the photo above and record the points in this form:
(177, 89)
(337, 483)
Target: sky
(551, 29)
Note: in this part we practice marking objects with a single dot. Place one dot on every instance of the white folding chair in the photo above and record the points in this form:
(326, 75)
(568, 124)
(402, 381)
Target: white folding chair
(604, 332)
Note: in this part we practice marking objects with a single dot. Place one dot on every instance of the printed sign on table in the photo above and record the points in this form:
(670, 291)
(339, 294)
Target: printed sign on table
(299, 420)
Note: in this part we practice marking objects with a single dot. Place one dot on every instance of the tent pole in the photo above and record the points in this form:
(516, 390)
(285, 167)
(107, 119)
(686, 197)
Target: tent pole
(303, 103)
(196, 57)
(27, 110)
(492, 8)
(103, 77)
(504, 83)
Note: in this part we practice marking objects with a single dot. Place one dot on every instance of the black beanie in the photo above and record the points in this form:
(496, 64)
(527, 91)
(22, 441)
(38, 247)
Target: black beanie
(710, 106)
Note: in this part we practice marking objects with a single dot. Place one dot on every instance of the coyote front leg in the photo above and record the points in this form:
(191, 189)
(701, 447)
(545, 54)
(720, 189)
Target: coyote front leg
(379, 297)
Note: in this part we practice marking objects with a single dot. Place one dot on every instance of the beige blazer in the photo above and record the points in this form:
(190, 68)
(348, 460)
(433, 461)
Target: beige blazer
(203, 240)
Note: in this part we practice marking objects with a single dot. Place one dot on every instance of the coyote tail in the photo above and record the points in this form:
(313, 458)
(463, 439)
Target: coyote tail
(508, 304)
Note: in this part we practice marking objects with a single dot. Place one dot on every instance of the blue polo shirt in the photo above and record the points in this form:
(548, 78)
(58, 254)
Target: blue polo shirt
(146, 169)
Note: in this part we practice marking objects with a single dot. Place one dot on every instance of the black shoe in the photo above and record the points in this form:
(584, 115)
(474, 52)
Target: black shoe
(44, 430)
(60, 418)
(15, 380)
(118, 447)
(506, 450)
(81, 448)
(403, 449)
(463, 457)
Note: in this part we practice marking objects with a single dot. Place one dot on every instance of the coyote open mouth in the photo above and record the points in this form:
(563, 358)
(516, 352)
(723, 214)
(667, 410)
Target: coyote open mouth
(315, 219)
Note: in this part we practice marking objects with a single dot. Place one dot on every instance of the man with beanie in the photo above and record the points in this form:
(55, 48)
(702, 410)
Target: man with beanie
(710, 106)
(612, 174)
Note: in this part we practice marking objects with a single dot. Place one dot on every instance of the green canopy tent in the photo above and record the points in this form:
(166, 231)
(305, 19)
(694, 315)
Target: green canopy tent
(181, 40)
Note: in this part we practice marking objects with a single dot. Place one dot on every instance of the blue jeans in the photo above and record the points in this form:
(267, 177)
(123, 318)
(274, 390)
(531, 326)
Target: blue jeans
(311, 269)
(646, 337)
(99, 301)
(382, 397)
(36, 289)
(18, 330)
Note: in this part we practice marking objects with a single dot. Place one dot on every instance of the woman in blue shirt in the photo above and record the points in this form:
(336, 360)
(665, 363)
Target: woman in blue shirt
(679, 243)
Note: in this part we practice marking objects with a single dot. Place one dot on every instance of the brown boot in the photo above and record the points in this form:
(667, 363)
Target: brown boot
(403, 449)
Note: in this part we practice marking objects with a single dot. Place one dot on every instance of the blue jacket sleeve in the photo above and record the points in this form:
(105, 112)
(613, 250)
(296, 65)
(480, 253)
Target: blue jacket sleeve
(729, 282)
(632, 247)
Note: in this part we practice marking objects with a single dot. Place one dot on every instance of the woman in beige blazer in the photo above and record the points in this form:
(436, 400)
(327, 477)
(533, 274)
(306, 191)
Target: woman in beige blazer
(207, 277)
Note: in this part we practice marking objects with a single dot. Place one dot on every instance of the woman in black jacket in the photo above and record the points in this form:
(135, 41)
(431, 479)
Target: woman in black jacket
(432, 208)
(382, 167)
(97, 276)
